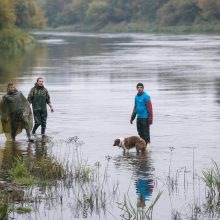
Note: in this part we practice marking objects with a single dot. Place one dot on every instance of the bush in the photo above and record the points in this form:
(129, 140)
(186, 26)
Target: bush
(15, 39)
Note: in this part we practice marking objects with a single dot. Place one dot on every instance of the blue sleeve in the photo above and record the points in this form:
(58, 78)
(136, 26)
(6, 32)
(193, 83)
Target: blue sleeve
(147, 98)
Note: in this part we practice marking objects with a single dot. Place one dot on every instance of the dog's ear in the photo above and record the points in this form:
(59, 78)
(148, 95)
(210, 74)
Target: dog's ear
(116, 142)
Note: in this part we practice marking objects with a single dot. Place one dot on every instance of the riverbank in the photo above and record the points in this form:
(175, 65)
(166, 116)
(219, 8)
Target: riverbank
(15, 39)
(140, 28)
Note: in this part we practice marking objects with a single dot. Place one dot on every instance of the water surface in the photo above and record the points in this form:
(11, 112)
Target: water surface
(91, 79)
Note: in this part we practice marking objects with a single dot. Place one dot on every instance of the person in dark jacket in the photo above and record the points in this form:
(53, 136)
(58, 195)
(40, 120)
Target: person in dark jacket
(39, 98)
(143, 110)
(15, 113)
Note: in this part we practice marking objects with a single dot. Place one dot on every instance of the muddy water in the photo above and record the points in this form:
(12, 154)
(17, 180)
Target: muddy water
(91, 79)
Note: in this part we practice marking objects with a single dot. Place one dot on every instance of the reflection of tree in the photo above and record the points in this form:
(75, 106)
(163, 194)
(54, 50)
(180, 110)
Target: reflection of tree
(14, 150)
(9, 153)
(14, 65)
(142, 174)
(217, 88)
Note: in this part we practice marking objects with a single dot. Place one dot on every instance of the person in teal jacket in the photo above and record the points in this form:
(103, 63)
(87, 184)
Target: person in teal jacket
(144, 112)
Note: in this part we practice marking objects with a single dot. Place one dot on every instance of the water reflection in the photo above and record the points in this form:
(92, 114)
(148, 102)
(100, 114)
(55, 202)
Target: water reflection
(11, 151)
(142, 177)
(217, 89)
(14, 66)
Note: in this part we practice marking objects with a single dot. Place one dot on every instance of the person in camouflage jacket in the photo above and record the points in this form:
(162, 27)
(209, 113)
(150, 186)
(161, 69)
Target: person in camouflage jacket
(15, 113)
(39, 98)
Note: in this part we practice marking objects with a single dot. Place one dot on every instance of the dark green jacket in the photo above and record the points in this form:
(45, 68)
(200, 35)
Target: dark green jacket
(39, 98)
(14, 101)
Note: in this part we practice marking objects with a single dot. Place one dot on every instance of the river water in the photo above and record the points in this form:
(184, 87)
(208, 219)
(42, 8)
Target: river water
(92, 78)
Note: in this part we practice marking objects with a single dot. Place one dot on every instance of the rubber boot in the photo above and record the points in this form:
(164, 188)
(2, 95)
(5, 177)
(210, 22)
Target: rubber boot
(29, 136)
(43, 131)
(35, 128)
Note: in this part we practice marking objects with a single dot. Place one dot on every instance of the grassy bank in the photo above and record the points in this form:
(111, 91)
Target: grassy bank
(15, 39)
(140, 28)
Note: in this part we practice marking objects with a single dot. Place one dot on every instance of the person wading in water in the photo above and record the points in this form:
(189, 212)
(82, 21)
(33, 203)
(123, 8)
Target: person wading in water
(143, 110)
(15, 113)
(39, 98)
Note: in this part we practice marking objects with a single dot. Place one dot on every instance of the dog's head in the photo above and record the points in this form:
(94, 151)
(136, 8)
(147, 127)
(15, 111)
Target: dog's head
(118, 142)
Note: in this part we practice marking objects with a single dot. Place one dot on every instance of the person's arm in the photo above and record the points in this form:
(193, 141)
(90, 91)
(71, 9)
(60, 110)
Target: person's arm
(30, 96)
(150, 111)
(4, 109)
(49, 102)
(133, 115)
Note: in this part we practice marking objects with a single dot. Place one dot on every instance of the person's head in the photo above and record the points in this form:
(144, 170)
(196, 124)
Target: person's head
(11, 87)
(40, 81)
(140, 88)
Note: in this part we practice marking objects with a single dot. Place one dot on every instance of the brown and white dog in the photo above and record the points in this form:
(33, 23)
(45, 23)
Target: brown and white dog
(131, 142)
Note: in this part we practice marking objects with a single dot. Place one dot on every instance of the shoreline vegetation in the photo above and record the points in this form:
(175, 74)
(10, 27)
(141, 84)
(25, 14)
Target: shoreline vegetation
(135, 27)
(15, 40)
(17, 17)
(93, 193)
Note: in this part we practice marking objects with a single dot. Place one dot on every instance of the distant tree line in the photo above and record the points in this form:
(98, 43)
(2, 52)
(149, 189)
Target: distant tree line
(15, 17)
(37, 13)
(162, 12)
(21, 13)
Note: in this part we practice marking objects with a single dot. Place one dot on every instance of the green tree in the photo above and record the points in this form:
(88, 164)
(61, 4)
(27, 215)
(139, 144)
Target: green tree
(210, 9)
(178, 12)
(74, 12)
(29, 14)
(7, 13)
(98, 12)
(53, 8)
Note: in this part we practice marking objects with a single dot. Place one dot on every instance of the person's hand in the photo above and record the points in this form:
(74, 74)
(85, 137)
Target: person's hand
(131, 121)
(51, 109)
(150, 121)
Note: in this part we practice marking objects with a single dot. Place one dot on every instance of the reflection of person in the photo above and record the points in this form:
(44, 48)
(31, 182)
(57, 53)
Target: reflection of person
(141, 167)
(144, 182)
(15, 113)
(144, 189)
(39, 98)
(143, 110)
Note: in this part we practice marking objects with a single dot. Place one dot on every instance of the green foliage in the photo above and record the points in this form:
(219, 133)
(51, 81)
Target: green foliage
(101, 13)
(24, 210)
(40, 171)
(74, 12)
(4, 207)
(20, 174)
(178, 12)
(15, 39)
(211, 178)
(7, 14)
(29, 14)
(139, 210)
(97, 12)
(210, 9)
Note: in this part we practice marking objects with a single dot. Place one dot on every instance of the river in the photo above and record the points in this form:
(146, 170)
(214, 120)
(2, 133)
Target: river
(91, 79)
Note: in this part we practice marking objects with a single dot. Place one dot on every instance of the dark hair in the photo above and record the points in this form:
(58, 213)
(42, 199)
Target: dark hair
(140, 85)
(39, 78)
(9, 85)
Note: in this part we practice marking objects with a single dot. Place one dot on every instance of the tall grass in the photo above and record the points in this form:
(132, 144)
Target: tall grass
(4, 207)
(136, 211)
(211, 177)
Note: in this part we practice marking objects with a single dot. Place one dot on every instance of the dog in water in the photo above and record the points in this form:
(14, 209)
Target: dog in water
(131, 142)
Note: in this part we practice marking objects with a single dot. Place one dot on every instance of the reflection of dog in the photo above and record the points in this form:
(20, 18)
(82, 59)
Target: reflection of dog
(131, 142)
